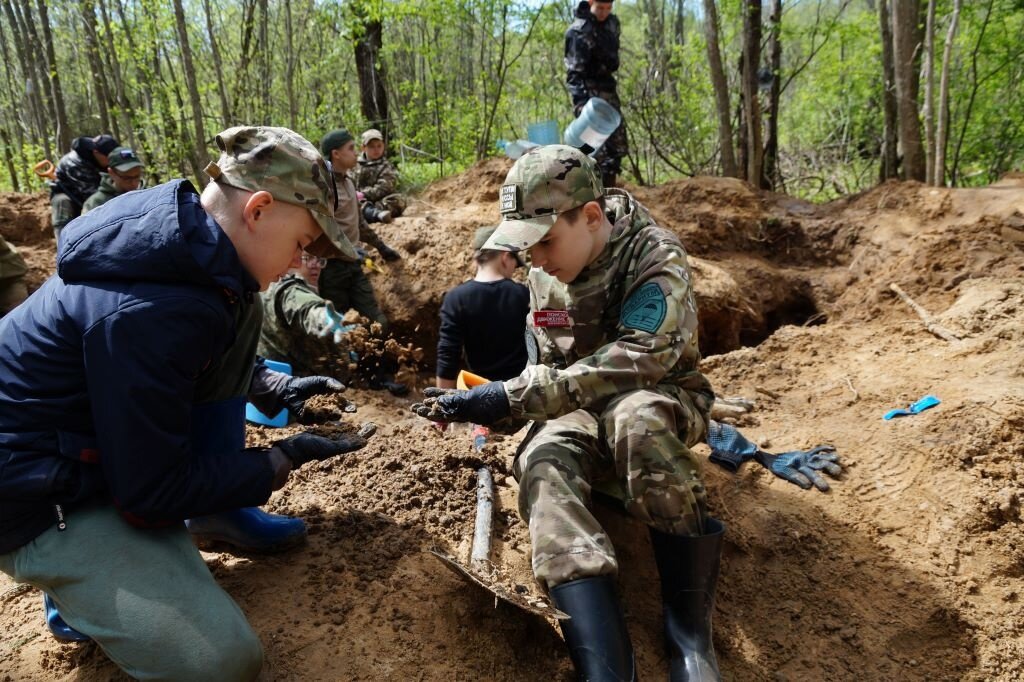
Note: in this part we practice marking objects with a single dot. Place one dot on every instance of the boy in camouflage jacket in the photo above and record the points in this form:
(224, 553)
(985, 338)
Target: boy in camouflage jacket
(377, 179)
(616, 397)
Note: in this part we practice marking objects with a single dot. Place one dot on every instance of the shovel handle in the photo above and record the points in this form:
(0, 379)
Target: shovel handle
(467, 380)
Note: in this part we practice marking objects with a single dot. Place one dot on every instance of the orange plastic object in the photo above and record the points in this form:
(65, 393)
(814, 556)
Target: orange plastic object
(467, 380)
(45, 169)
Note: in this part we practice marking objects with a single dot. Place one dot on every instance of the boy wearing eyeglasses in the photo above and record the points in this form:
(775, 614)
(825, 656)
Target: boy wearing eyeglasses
(304, 329)
(124, 174)
(298, 324)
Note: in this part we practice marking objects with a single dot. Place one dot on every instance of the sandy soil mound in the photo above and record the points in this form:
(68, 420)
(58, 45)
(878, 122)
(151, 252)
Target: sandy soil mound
(910, 568)
(25, 222)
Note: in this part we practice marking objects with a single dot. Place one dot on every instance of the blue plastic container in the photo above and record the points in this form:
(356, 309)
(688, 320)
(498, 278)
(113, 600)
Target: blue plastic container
(543, 132)
(281, 418)
(514, 150)
(595, 124)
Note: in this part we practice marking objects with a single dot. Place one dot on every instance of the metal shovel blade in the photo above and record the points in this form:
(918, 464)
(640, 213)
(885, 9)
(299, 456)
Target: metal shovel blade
(528, 603)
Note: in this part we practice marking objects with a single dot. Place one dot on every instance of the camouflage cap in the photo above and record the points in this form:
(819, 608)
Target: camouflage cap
(544, 182)
(282, 162)
(123, 159)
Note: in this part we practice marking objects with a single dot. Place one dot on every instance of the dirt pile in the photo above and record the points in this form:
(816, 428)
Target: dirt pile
(911, 568)
(25, 222)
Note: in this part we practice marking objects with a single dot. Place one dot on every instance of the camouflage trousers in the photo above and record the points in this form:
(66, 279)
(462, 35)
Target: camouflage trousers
(396, 203)
(346, 285)
(609, 156)
(637, 446)
(63, 210)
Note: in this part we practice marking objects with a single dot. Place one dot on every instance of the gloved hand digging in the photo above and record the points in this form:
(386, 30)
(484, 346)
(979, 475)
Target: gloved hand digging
(271, 391)
(307, 447)
(729, 449)
(484, 404)
(334, 324)
(388, 254)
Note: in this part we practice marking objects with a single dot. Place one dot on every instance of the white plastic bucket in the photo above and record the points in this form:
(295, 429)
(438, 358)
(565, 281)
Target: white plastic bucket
(595, 124)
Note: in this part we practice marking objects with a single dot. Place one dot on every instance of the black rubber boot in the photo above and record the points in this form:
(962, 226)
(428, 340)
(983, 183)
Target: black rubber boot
(688, 567)
(596, 634)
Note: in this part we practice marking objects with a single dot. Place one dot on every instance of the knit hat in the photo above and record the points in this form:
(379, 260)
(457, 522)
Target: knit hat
(333, 140)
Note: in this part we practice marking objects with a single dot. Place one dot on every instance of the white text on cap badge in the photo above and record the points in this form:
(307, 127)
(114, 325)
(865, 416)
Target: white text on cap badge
(508, 199)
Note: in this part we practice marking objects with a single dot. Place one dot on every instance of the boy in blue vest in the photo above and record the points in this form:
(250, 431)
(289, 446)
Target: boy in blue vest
(123, 381)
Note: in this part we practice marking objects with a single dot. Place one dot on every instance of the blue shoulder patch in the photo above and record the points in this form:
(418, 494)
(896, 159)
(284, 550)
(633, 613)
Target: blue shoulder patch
(645, 309)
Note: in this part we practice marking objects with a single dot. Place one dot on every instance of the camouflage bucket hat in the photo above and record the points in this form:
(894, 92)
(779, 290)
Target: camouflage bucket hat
(282, 162)
(544, 182)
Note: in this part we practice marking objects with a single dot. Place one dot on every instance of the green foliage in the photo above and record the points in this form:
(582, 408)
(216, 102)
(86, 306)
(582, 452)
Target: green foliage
(460, 74)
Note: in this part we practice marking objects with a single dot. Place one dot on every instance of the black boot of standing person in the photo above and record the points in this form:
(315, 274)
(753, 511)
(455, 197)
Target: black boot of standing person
(688, 567)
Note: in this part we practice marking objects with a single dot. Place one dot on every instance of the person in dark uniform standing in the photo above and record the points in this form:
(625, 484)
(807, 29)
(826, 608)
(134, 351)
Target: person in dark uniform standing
(591, 60)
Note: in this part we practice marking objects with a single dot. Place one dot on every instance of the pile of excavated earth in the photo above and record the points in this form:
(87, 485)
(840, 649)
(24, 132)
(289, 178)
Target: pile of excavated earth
(912, 567)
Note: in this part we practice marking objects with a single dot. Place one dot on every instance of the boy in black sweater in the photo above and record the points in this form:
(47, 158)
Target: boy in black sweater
(484, 319)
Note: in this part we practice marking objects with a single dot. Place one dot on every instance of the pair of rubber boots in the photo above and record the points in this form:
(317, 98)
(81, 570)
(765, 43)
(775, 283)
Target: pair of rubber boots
(596, 633)
(249, 529)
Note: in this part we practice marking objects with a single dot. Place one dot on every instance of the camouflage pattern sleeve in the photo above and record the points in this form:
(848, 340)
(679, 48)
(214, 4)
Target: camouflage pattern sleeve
(385, 183)
(299, 307)
(656, 330)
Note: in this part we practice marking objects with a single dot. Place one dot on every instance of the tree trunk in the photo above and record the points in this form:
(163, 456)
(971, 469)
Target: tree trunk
(35, 105)
(125, 109)
(906, 41)
(240, 103)
(63, 131)
(771, 147)
(721, 85)
(13, 112)
(264, 51)
(751, 98)
(41, 77)
(218, 66)
(289, 72)
(9, 159)
(889, 166)
(928, 107)
(942, 133)
(199, 143)
(373, 96)
(88, 13)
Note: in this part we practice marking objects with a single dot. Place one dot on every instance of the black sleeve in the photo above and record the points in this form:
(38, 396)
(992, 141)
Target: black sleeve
(141, 396)
(449, 342)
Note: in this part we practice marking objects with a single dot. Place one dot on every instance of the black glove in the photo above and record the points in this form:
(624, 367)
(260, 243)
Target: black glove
(730, 449)
(388, 254)
(271, 391)
(484, 404)
(307, 447)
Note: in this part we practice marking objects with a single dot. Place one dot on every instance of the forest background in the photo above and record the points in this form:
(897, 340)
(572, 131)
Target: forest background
(815, 98)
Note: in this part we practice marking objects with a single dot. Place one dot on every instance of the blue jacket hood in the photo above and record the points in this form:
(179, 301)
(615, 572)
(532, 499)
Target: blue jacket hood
(161, 234)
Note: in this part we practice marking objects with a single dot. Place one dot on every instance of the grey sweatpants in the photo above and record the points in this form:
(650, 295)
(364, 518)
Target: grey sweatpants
(144, 595)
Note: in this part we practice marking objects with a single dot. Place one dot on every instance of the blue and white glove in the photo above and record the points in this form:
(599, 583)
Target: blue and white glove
(730, 449)
(334, 324)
